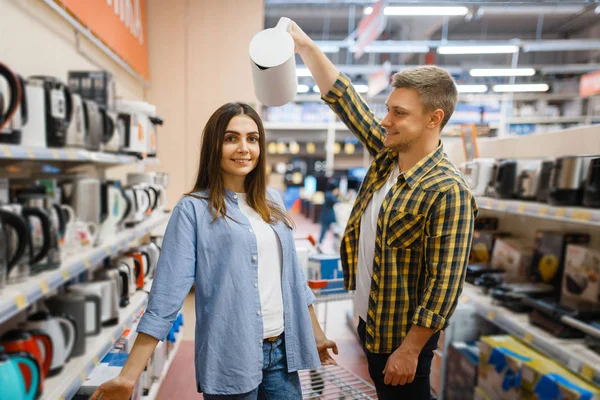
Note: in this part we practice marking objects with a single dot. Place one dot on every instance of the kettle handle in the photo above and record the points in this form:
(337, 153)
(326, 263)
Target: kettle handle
(31, 363)
(45, 345)
(20, 226)
(70, 332)
(45, 221)
(15, 91)
(284, 24)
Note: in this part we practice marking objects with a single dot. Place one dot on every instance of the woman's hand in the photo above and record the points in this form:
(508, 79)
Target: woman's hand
(115, 389)
(323, 346)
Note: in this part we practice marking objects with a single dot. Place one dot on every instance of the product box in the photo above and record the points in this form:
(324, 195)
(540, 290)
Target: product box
(483, 245)
(486, 224)
(98, 86)
(514, 257)
(581, 278)
(549, 255)
(326, 267)
(461, 370)
(548, 380)
(501, 360)
(108, 369)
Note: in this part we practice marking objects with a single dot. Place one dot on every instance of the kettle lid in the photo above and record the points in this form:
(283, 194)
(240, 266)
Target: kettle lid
(272, 47)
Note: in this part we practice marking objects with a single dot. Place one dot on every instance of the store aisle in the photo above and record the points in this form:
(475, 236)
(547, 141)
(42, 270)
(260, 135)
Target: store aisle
(180, 381)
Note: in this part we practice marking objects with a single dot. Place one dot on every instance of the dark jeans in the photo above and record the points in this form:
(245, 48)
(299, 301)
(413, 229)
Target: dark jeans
(418, 389)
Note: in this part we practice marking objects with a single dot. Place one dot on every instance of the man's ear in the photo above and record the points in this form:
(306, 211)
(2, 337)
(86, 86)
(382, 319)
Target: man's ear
(436, 118)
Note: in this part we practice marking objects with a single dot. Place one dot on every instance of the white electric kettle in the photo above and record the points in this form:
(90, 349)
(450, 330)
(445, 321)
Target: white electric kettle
(274, 65)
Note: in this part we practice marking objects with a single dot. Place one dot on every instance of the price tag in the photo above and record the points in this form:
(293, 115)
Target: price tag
(20, 301)
(65, 274)
(6, 151)
(71, 155)
(96, 361)
(83, 376)
(30, 153)
(543, 210)
(582, 215)
(528, 337)
(587, 372)
(44, 287)
(489, 203)
(501, 206)
(54, 154)
(86, 262)
(561, 212)
(491, 315)
(521, 208)
(61, 398)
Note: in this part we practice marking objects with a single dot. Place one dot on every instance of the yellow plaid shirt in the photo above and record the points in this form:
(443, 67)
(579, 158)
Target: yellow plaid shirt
(424, 232)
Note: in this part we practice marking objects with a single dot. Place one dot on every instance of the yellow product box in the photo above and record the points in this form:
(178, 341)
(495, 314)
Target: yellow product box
(550, 381)
(501, 360)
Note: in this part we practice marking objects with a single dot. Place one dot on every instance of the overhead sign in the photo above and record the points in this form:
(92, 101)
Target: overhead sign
(120, 24)
(369, 28)
(589, 84)
(379, 80)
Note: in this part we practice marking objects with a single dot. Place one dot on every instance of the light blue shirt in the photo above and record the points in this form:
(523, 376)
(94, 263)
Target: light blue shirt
(221, 258)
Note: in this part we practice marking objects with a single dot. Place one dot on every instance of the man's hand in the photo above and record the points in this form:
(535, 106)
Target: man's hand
(323, 346)
(301, 39)
(401, 367)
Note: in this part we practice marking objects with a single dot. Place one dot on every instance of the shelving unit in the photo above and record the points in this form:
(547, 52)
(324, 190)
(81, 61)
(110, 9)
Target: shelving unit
(64, 385)
(155, 388)
(580, 215)
(572, 354)
(11, 152)
(547, 120)
(18, 296)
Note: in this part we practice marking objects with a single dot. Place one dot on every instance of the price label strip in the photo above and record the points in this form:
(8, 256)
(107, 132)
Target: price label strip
(587, 372)
(528, 337)
(44, 287)
(6, 151)
(20, 301)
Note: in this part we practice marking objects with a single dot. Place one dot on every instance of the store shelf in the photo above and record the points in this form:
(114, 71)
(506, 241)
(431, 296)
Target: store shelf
(579, 215)
(547, 120)
(63, 154)
(155, 388)
(572, 354)
(16, 297)
(64, 385)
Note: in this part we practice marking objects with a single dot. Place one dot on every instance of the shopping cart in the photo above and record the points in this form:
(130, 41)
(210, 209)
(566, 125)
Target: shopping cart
(335, 382)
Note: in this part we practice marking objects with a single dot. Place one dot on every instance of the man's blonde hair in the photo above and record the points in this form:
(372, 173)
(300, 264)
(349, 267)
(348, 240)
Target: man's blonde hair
(435, 86)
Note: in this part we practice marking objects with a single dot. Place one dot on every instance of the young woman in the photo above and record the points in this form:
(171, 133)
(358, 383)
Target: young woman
(231, 237)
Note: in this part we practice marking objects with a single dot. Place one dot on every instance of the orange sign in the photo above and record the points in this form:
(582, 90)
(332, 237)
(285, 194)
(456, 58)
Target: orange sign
(589, 84)
(120, 24)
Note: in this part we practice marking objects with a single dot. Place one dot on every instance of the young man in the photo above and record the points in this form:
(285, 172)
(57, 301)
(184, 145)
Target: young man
(406, 244)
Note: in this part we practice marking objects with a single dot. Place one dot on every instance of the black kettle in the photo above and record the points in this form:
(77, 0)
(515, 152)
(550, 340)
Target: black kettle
(13, 106)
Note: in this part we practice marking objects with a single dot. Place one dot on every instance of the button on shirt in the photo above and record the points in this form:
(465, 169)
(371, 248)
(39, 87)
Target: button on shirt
(218, 257)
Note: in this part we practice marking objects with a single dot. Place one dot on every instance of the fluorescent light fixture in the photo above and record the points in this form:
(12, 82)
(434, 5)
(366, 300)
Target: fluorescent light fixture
(303, 72)
(562, 45)
(361, 88)
(537, 9)
(316, 89)
(502, 72)
(472, 88)
(525, 87)
(414, 11)
(383, 47)
(494, 49)
(303, 88)
(328, 48)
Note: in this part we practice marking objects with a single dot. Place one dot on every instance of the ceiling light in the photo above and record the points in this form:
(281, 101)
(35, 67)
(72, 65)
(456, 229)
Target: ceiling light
(562, 45)
(303, 88)
(383, 47)
(502, 72)
(361, 88)
(414, 11)
(328, 48)
(316, 89)
(471, 88)
(526, 87)
(478, 49)
(536, 9)
(303, 72)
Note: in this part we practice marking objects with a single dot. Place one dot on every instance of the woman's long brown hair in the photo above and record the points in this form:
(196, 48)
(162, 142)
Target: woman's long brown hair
(209, 170)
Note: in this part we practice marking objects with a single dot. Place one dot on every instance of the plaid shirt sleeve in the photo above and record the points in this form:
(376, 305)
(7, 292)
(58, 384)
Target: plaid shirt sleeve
(356, 114)
(447, 246)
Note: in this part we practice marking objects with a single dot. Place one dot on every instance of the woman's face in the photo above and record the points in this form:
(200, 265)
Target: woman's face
(240, 150)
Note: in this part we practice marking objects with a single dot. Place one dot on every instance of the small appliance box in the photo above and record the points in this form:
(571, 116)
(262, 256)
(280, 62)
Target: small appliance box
(483, 245)
(461, 376)
(326, 267)
(548, 380)
(501, 361)
(98, 86)
(549, 255)
(514, 257)
(581, 278)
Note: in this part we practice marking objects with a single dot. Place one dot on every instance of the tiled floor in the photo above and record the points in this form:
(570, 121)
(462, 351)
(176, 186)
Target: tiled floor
(180, 381)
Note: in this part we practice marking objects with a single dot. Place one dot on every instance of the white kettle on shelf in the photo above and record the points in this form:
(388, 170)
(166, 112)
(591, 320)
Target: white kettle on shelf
(273, 65)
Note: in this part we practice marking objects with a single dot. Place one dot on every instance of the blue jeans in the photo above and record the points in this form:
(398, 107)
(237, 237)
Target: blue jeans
(277, 383)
